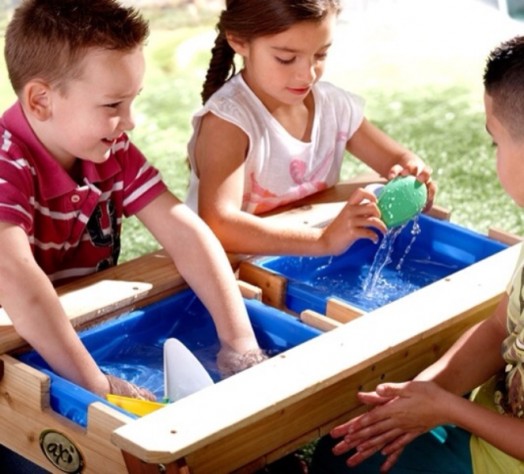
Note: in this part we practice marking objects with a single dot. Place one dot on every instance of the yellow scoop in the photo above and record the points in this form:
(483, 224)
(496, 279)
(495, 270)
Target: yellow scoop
(134, 405)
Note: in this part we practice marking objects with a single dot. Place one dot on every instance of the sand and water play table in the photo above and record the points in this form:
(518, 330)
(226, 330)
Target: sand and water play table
(246, 421)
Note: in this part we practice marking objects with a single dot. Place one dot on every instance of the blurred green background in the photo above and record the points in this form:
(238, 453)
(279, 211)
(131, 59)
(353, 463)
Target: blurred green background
(418, 67)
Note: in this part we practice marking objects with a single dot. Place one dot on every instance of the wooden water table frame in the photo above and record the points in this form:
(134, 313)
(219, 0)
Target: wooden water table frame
(247, 421)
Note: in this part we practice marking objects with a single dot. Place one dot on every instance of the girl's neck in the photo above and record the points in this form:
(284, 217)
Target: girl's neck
(296, 118)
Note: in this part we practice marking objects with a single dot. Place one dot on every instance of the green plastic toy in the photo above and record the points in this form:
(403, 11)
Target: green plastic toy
(401, 199)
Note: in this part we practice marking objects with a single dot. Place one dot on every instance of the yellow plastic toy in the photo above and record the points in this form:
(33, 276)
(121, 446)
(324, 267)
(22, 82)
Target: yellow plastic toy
(134, 405)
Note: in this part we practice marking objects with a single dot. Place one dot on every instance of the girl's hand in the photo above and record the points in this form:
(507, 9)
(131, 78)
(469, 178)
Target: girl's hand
(423, 174)
(359, 219)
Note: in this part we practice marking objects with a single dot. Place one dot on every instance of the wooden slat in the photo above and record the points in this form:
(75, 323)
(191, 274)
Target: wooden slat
(310, 215)
(439, 212)
(155, 268)
(250, 291)
(503, 236)
(273, 286)
(342, 311)
(318, 321)
(83, 306)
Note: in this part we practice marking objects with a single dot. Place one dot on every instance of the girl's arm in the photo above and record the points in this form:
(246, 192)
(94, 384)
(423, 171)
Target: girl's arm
(387, 157)
(220, 153)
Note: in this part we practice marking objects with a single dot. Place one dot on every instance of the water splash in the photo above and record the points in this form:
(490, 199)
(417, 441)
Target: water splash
(368, 276)
(382, 258)
(415, 230)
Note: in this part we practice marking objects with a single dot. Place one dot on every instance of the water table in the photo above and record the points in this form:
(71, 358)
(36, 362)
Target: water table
(253, 418)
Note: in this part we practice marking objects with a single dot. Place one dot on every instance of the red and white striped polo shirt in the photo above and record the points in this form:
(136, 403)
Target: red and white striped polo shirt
(73, 229)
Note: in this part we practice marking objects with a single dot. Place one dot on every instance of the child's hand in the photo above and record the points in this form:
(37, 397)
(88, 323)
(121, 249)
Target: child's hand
(401, 413)
(359, 219)
(118, 386)
(230, 362)
(423, 174)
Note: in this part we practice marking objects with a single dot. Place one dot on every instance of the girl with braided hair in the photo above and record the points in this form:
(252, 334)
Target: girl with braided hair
(273, 133)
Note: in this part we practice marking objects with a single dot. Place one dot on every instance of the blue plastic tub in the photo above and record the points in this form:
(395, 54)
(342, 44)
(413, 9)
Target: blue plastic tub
(440, 249)
(131, 346)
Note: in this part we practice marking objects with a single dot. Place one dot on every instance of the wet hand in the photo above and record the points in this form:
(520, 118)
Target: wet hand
(230, 362)
(118, 386)
(358, 219)
(422, 172)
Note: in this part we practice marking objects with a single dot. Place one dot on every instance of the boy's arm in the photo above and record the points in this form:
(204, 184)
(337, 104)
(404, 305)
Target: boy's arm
(221, 174)
(475, 356)
(32, 304)
(202, 262)
(403, 411)
(417, 407)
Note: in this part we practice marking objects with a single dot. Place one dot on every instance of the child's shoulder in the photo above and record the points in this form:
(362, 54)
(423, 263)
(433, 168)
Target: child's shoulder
(234, 101)
(12, 148)
(15, 133)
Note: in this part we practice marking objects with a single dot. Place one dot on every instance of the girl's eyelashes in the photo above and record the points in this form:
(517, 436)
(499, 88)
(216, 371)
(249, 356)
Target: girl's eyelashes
(114, 105)
(318, 57)
(285, 61)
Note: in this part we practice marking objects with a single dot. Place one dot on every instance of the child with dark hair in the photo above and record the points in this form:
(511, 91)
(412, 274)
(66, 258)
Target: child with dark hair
(69, 174)
(428, 425)
(274, 133)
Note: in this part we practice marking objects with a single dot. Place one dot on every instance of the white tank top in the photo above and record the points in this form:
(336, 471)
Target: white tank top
(279, 168)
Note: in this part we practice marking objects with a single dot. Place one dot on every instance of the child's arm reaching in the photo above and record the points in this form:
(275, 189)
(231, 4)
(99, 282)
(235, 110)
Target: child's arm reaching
(33, 306)
(202, 262)
(387, 157)
(405, 410)
(221, 172)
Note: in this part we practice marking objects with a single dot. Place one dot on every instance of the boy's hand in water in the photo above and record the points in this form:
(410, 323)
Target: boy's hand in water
(359, 219)
(230, 362)
(118, 386)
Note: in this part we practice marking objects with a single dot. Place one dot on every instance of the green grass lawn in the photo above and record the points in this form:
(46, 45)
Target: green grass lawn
(432, 103)
(439, 116)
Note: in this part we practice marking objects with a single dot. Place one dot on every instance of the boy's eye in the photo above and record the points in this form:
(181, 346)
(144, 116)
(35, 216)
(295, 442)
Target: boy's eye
(113, 105)
(321, 56)
(285, 61)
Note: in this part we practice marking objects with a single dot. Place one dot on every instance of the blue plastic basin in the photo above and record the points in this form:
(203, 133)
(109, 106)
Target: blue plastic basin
(132, 346)
(440, 249)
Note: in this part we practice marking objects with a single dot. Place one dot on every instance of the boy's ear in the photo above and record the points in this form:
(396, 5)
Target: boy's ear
(36, 98)
(238, 44)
